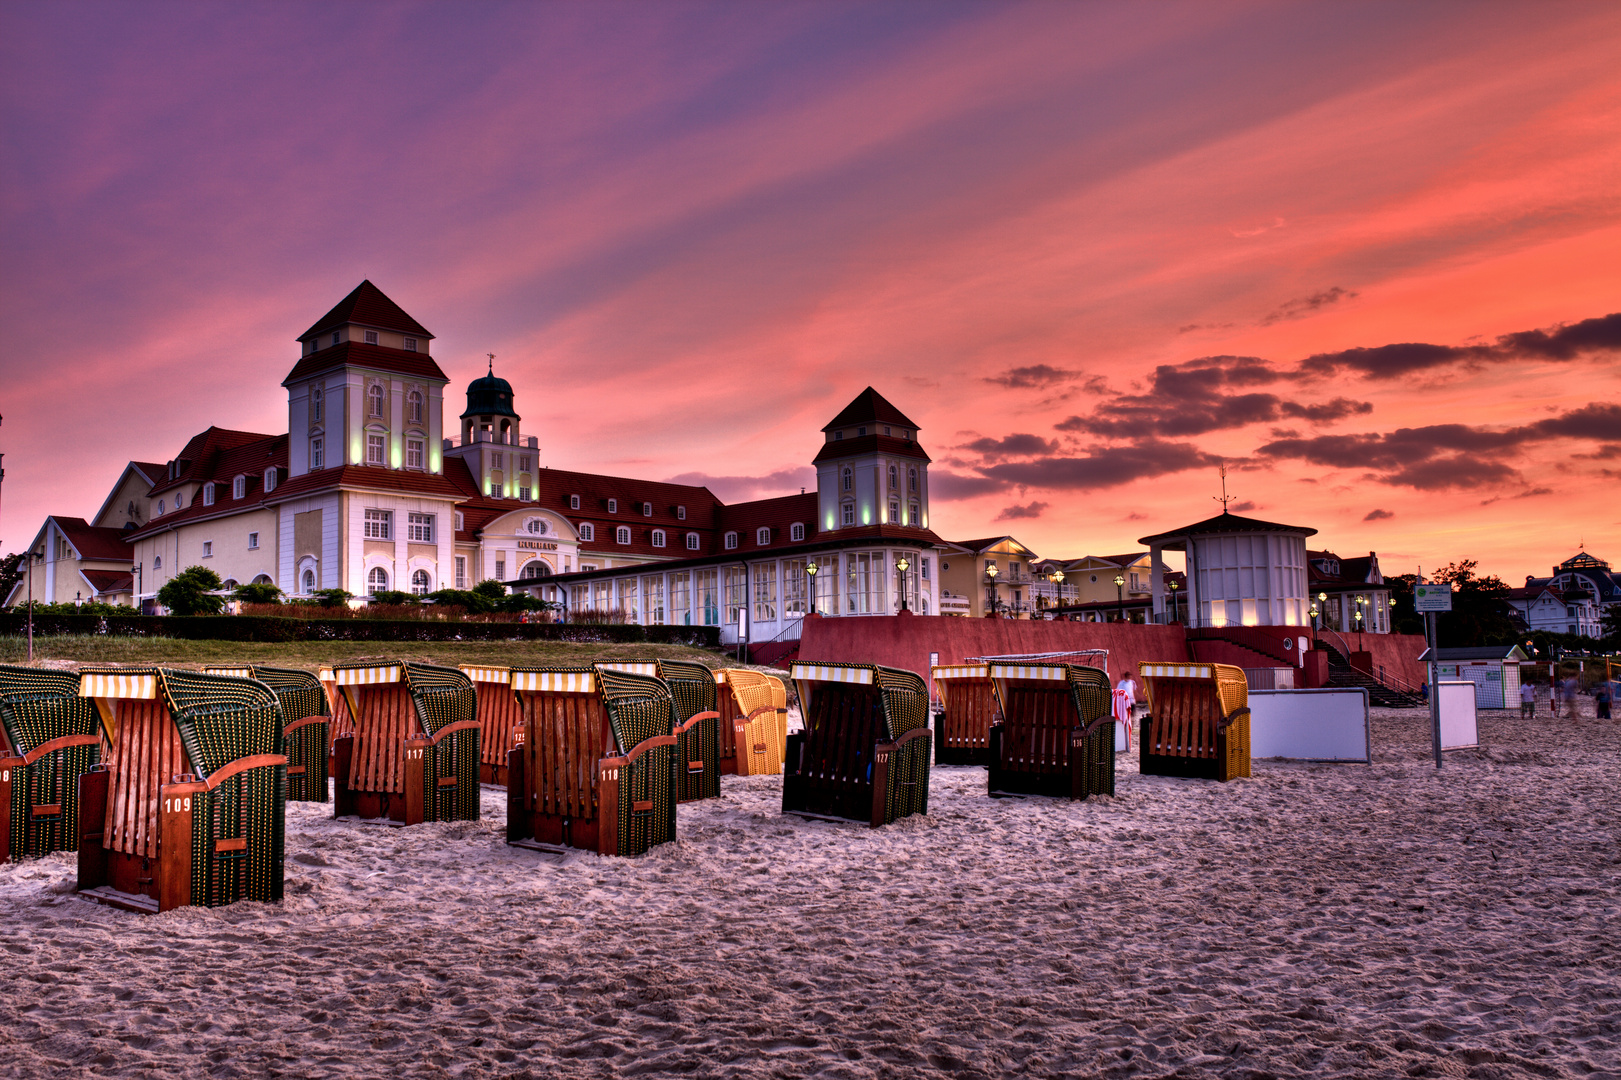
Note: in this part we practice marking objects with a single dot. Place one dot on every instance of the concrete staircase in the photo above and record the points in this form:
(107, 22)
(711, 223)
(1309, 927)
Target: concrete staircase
(1341, 673)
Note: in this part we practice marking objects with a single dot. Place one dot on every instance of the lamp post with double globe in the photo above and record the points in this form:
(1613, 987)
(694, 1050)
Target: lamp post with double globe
(901, 566)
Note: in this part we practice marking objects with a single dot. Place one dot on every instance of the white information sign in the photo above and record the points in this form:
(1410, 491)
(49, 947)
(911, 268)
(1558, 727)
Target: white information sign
(1310, 725)
(1458, 727)
(1434, 597)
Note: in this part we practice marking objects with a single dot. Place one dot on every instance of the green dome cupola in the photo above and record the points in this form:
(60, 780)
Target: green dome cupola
(489, 408)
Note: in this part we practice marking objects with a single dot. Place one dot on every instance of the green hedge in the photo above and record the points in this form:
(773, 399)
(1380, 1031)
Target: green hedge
(274, 628)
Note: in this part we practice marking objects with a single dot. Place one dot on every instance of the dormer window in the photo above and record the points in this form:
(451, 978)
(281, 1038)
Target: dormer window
(588, 532)
(461, 524)
(613, 506)
(270, 479)
(692, 541)
(796, 532)
(573, 502)
(762, 536)
(681, 513)
(622, 534)
(239, 487)
(208, 494)
(658, 538)
(371, 337)
(410, 344)
(731, 541)
(647, 509)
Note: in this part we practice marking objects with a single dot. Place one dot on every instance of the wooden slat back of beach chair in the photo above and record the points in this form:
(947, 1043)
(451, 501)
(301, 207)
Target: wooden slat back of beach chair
(566, 731)
(970, 708)
(1056, 736)
(1198, 721)
(500, 719)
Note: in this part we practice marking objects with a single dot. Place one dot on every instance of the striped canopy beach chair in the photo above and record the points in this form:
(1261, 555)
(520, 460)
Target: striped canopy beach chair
(754, 721)
(343, 723)
(970, 711)
(189, 806)
(413, 754)
(498, 718)
(1056, 736)
(865, 752)
(305, 717)
(597, 766)
(697, 723)
(1198, 721)
(49, 737)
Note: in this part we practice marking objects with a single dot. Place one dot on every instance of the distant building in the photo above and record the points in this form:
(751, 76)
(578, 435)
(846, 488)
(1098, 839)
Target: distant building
(1586, 587)
(968, 586)
(1088, 591)
(1240, 572)
(1340, 588)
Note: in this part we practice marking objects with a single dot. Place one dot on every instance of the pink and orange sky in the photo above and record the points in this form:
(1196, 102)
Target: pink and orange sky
(1368, 255)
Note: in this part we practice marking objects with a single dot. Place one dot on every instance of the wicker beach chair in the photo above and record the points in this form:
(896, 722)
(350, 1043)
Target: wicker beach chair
(754, 717)
(596, 767)
(1198, 721)
(189, 807)
(498, 718)
(343, 722)
(305, 717)
(697, 723)
(970, 710)
(1056, 736)
(865, 752)
(49, 737)
(413, 754)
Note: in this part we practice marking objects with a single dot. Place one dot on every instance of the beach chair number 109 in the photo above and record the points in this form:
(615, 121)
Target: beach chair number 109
(172, 805)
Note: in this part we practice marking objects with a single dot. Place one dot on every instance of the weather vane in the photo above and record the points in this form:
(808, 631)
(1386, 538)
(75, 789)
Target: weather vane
(492, 362)
(1224, 498)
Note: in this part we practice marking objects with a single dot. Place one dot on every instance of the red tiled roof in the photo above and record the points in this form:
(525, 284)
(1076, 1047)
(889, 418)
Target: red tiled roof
(366, 478)
(110, 581)
(414, 365)
(870, 444)
(94, 542)
(154, 471)
(221, 466)
(778, 515)
(201, 453)
(869, 407)
(368, 306)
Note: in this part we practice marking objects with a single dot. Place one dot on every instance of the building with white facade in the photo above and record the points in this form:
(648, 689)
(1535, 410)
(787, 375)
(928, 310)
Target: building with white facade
(1240, 572)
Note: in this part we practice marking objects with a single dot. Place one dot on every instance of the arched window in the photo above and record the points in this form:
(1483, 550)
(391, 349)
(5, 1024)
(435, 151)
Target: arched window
(848, 478)
(239, 487)
(622, 534)
(535, 526)
(374, 399)
(911, 479)
(419, 583)
(536, 568)
(893, 478)
(796, 531)
(762, 535)
(731, 541)
(587, 531)
(377, 580)
(681, 513)
(413, 404)
(658, 537)
(229, 583)
(613, 506)
(157, 562)
(263, 579)
(309, 582)
(315, 406)
(692, 541)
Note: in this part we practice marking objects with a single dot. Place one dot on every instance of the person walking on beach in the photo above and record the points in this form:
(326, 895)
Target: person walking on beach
(1123, 702)
(1570, 696)
(1528, 701)
(1602, 698)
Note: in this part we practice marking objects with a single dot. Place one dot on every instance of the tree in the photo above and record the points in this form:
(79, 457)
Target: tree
(189, 592)
(258, 592)
(1480, 608)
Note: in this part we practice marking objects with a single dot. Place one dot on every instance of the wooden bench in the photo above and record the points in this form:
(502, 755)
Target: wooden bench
(305, 717)
(865, 752)
(754, 721)
(596, 767)
(1056, 735)
(498, 718)
(188, 807)
(49, 737)
(413, 754)
(697, 723)
(1198, 721)
(963, 731)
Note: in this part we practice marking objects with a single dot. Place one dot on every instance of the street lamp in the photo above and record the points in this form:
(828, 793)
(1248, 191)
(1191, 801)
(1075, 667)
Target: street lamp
(901, 566)
(1314, 613)
(1058, 593)
(1322, 605)
(1173, 586)
(1361, 602)
(78, 601)
(1120, 593)
(990, 574)
(810, 575)
(136, 570)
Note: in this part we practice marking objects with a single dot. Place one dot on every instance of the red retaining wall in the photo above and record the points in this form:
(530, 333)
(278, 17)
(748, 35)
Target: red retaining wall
(905, 641)
(1397, 653)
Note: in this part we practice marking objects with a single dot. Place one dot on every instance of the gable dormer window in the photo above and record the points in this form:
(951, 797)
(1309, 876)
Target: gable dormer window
(410, 344)
(208, 494)
(613, 506)
(239, 487)
(371, 337)
(270, 479)
(762, 536)
(573, 502)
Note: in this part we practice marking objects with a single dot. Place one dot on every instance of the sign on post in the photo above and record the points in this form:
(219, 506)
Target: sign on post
(1434, 597)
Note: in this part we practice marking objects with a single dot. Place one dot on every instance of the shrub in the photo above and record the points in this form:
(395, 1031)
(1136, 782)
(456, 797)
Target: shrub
(189, 592)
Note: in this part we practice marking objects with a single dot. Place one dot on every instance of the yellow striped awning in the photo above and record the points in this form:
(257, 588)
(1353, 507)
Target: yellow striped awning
(1176, 671)
(487, 674)
(367, 676)
(720, 677)
(111, 684)
(1052, 672)
(555, 682)
(324, 673)
(239, 672)
(630, 667)
(962, 671)
(819, 673)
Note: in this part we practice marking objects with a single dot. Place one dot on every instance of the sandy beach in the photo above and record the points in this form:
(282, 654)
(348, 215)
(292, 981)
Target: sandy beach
(1384, 920)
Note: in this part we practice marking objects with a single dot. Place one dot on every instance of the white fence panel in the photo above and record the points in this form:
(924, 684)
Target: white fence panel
(1310, 725)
